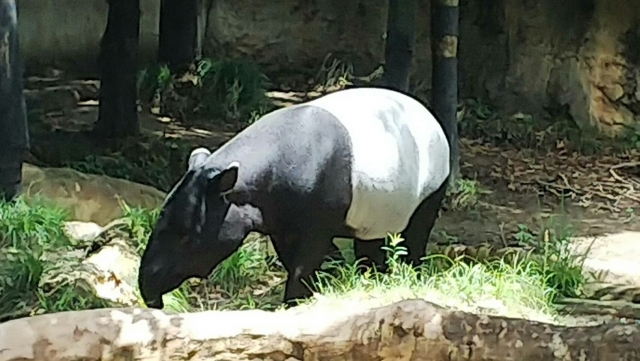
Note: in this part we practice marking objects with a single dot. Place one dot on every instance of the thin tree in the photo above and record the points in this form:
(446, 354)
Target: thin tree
(118, 114)
(178, 33)
(14, 136)
(444, 88)
(399, 45)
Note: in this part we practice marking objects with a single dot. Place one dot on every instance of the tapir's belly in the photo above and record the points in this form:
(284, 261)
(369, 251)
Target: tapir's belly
(375, 212)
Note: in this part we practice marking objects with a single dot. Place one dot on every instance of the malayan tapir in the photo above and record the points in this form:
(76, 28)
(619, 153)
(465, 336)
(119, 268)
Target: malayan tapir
(357, 163)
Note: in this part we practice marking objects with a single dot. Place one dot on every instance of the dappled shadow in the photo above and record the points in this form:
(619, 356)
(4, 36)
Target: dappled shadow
(543, 190)
(525, 185)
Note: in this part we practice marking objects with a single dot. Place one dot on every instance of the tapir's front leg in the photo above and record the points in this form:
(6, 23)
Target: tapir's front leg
(301, 256)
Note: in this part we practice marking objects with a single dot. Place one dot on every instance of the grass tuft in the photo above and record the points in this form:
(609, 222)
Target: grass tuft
(465, 194)
(142, 222)
(495, 288)
(553, 258)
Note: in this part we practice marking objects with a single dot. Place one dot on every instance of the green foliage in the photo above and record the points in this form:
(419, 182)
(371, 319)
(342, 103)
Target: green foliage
(465, 194)
(239, 271)
(234, 90)
(32, 225)
(552, 259)
(249, 278)
(32, 242)
(632, 135)
(479, 120)
(27, 233)
(221, 90)
(463, 286)
(334, 72)
(141, 223)
(152, 81)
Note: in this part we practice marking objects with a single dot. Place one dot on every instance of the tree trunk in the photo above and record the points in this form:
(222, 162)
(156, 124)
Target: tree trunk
(118, 114)
(14, 135)
(178, 33)
(204, 7)
(401, 29)
(407, 330)
(444, 83)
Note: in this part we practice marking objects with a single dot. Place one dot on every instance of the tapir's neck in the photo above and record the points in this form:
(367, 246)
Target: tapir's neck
(248, 215)
(254, 157)
(251, 193)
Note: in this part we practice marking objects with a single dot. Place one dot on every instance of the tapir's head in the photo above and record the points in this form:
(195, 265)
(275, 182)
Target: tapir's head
(194, 232)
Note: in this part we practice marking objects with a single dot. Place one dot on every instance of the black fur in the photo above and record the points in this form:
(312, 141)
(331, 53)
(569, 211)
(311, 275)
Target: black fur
(294, 184)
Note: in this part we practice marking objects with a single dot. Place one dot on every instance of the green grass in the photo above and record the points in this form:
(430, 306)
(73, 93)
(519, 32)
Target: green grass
(493, 288)
(141, 222)
(32, 243)
(553, 259)
(34, 247)
(248, 279)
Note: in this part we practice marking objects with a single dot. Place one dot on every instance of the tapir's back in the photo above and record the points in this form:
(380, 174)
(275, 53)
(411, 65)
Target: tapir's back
(398, 153)
(400, 156)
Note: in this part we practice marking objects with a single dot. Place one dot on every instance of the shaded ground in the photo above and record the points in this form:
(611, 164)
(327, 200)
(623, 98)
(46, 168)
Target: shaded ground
(597, 195)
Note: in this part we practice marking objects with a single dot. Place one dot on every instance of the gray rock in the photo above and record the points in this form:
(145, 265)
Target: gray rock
(82, 231)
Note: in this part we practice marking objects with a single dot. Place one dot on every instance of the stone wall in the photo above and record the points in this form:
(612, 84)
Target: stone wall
(66, 33)
(523, 55)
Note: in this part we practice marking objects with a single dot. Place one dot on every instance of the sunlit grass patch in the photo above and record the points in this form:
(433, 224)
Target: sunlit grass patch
(497, 288)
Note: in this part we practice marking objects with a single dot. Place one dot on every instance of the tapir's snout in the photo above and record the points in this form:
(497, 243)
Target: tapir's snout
(149, 284)
(155, 279)
(155, 303)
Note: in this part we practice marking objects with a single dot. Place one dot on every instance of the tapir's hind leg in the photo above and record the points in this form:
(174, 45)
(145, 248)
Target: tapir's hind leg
(418, 230)
(372, 253)
(335, 254)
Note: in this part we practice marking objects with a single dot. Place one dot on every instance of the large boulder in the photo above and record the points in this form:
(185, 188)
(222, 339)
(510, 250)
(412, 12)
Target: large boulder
(88, 197)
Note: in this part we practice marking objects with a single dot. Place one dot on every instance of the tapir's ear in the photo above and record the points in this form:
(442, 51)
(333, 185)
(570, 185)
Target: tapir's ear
(228, 178)
(198, 156)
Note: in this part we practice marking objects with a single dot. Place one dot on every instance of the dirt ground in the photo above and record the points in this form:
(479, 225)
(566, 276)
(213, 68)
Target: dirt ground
(597, 195)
